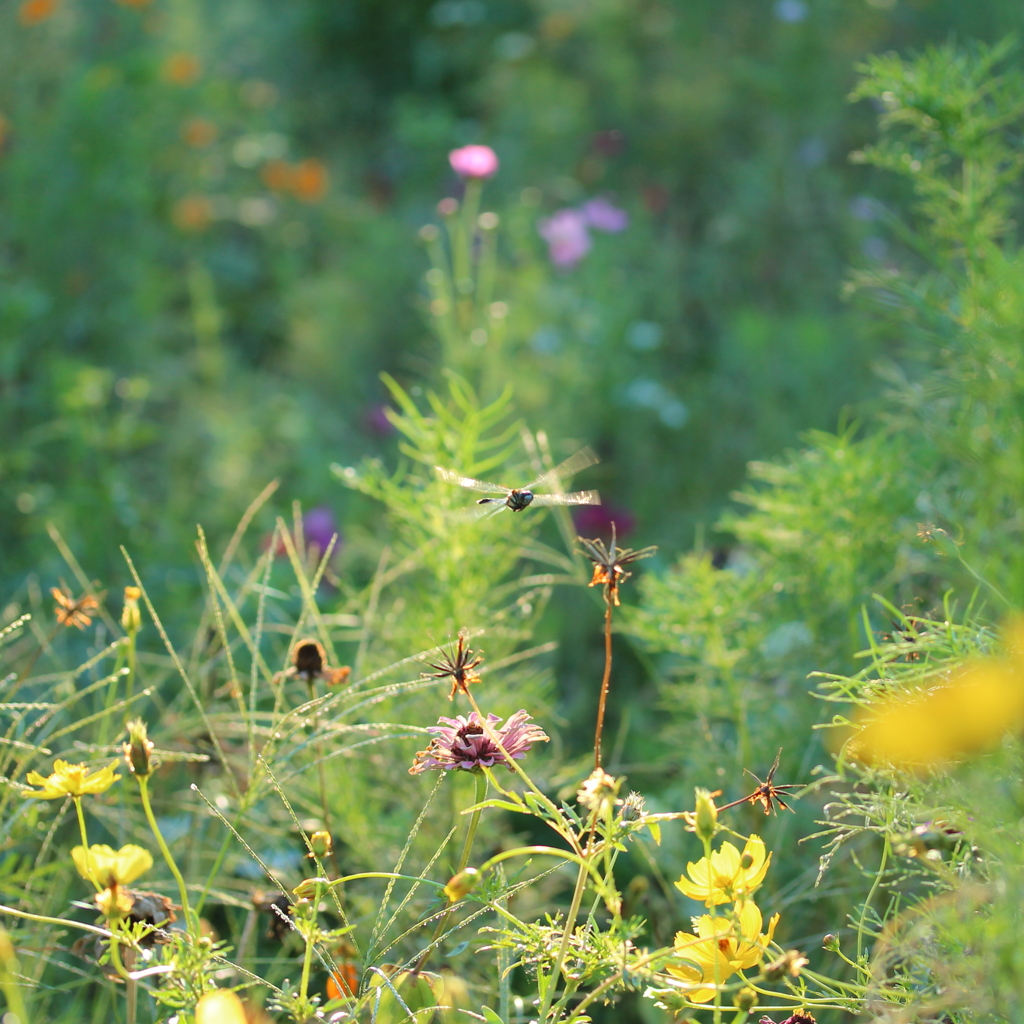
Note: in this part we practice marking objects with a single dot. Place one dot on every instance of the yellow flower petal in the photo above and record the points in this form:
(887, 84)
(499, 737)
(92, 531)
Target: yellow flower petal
(221, 1006)
(111, 867)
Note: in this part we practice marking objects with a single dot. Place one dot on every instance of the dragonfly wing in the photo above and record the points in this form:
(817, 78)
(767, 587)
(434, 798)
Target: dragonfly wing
(451, 477)
(473, 512)
(553, 478)
(573, 498)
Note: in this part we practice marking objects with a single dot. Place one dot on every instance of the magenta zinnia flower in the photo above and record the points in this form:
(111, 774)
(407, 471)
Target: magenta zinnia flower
(474, 161)
(462, 743)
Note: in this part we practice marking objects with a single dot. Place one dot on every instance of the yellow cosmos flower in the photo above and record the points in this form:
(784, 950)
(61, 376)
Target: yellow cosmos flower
(71, 780)
(728, 875)
(112, 867)
(721, 947)
(221, 1006)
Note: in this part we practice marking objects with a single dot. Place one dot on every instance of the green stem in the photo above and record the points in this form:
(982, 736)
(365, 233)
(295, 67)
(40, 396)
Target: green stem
(570, 925)
(190, 921)
(85, 845)
(467, 848)
(871, 895)
(605, 680)
(130, 681)
(307, 960)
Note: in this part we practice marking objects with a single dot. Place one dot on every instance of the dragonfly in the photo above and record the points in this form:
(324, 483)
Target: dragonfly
(515, 499)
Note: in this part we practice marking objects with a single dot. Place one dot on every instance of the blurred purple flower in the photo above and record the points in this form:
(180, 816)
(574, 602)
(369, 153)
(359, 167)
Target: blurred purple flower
(462, 743)
(375, 420)
(474, 161)
(596, 520)
(319, 527)
(602, 215)
(566, 233)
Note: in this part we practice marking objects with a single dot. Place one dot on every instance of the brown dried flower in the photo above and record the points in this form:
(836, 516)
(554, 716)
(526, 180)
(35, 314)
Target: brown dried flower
(456, 665)
(71, 612)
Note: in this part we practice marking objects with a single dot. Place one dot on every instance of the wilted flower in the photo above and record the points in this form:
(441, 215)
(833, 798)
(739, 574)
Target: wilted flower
(600, 214)
(609, 563)
(70, 612)
(791, 962)
(309, 662)
(566, 233)
(74, 780)
(458, 666)
(721, 948)
(474, 161)
(110, 867)
(462, 743)
(797, 1018)
(727, 875)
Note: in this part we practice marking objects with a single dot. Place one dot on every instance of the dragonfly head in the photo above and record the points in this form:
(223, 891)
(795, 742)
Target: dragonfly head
(519, 499)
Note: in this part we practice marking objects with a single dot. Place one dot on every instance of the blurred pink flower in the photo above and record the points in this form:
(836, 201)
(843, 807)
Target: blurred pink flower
(319, 528)
(602, 215)
(596, 520)
(375, 419)
(566, 233)
(474, 161)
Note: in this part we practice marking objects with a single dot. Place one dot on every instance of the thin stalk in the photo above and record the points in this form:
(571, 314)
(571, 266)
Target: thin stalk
(130, 681)
(605, 680)
(563, 947)
(318, 744)
(190, 921)
(467, 848)
(85, 845)
(307, 960)
(871, 895)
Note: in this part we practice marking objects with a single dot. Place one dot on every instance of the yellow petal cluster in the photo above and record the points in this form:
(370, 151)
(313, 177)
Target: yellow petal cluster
(727, 875)
(221, 1006)
(110, 867)
(71, 780)
(969, 714)
(721, 947)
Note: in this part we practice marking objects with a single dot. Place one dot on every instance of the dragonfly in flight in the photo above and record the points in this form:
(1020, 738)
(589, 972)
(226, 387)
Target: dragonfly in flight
(517, 498)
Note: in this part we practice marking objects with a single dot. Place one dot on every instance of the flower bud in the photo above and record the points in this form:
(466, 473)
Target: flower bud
(744, 999)
(131, 617)
(138, 750)
(705, 816)
(831, 943)
(307, 888)
(461, 884)
(321, 844)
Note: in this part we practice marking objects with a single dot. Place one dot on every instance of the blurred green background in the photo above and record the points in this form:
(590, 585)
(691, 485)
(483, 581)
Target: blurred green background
(208, 215)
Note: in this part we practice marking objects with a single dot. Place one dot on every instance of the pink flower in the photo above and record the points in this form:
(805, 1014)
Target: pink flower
(462, 743)
(474, 161)
(602, 215)
(566, 233)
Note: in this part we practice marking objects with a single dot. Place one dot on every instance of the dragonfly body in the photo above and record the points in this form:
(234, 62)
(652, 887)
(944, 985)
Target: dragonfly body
(515, 499)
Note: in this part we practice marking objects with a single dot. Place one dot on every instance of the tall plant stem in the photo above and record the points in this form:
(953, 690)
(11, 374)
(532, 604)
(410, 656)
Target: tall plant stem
(605, 681)
(307, 960)
(467, 849)
(86, 853)
(563, 947)
(319, 748)
(190, 920)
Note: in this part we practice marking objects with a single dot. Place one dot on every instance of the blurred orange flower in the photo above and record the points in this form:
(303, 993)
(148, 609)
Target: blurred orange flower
(968, 714)
(277, 175)
(193, 213)
(344, 982)
(32, 12)
(198, 132)
(181, 69)
(309, 181)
